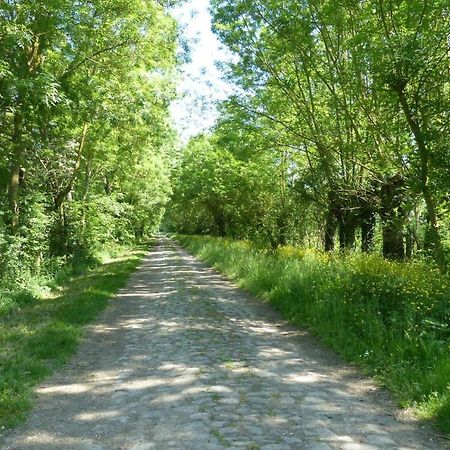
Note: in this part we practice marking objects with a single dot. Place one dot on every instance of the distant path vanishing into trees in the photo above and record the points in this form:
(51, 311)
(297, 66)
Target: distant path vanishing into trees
(182, 359)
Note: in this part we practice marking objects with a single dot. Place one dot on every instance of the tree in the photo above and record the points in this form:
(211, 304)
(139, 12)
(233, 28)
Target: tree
(84, 95)
(331, 79)
(411, 57)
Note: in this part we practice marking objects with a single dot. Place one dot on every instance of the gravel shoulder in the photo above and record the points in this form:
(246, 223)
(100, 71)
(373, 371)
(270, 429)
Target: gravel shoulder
(182, 359)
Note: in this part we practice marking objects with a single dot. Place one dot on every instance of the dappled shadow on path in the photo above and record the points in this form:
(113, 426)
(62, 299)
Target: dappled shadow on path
(182, 359)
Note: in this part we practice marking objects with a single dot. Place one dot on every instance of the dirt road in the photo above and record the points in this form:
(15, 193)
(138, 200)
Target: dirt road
(184, 360)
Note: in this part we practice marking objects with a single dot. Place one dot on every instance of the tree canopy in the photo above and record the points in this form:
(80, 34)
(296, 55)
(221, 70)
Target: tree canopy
(85, 134)
(338, 133)
(344, 107)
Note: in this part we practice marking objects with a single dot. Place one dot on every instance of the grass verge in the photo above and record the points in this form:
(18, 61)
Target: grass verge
(393, 319)
(39, 333)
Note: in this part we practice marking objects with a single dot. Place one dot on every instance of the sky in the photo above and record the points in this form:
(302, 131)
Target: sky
(200, 85)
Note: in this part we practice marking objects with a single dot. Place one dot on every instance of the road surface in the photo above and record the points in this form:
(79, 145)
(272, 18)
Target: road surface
(182, 359)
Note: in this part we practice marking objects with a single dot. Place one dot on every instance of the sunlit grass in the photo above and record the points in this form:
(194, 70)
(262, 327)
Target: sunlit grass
(39, 333)
(391, 318)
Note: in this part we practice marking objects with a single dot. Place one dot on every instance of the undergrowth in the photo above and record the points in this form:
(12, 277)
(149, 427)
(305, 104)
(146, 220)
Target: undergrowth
(41, 323)
(391, 318)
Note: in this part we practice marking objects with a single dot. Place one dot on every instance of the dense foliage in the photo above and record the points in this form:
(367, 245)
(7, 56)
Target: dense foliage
(340, 128)
(84, 132)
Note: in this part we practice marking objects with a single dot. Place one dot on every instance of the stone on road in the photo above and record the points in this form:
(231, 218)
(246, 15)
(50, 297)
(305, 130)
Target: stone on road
(182, 359)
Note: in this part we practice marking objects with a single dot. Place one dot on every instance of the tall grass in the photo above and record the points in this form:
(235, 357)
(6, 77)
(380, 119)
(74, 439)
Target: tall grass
(391, 318)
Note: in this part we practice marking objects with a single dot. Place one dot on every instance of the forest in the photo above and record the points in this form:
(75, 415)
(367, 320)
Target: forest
(332, 156)
(85, 136)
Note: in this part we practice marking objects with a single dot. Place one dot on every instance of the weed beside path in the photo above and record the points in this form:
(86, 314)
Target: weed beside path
(391, 318)
(40, 334)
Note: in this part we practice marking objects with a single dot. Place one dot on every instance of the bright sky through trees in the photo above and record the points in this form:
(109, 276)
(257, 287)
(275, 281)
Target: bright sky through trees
(201, 85)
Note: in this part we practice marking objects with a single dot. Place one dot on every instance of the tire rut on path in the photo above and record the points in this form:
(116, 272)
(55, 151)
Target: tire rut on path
(182, 359)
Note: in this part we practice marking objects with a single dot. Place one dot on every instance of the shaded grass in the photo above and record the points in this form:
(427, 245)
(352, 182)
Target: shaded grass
(38, 334)
(393, 319)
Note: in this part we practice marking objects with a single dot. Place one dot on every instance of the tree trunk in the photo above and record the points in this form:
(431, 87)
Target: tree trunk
(61, 240)
(86, 188)
(424, 154)
(14, 179)
(330, 225)
(13, 194)
(347, 229)
(393, 242)
(367, 222)
(367, 232)
(409, 242)
(60, 197)
(392, 217)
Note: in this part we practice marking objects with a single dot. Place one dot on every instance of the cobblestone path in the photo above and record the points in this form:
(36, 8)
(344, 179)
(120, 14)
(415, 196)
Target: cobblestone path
(183, 360)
